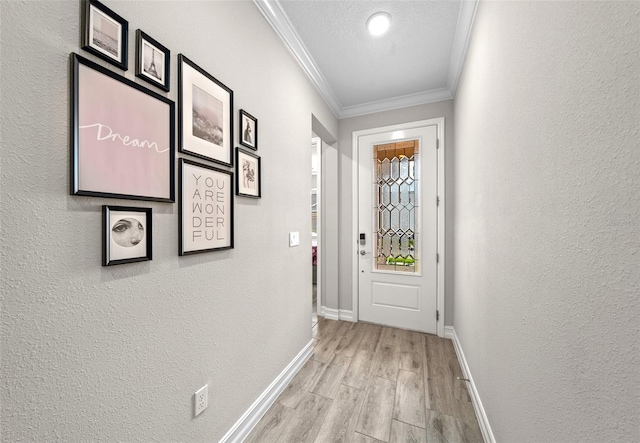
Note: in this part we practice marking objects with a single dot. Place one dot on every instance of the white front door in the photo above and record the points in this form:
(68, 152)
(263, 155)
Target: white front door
(397, 221)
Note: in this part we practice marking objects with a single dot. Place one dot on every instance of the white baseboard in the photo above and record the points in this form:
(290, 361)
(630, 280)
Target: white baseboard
(331, 314)
(483, 421)
(448, 333)
(246, 423)
(346, 315)
(336, 314)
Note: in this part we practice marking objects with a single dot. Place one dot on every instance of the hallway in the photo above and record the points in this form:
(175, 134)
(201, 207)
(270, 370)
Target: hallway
(369, 383)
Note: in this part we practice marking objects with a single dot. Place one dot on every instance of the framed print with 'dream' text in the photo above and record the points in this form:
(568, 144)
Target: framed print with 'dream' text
(205, 122)
(123, 137)
(126, 236)
(206, 208)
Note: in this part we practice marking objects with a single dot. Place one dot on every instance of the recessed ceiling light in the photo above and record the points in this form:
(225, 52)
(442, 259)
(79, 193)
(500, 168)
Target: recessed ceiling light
(378, 23)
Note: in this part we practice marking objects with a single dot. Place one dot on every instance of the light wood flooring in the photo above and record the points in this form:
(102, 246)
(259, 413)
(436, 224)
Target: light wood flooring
(366, 384)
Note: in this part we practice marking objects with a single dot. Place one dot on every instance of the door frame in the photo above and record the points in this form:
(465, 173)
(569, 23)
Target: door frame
(319, 182)
(440, 222)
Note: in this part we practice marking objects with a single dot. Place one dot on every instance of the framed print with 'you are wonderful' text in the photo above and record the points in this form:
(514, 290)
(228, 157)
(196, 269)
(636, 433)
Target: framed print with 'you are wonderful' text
(206, 208)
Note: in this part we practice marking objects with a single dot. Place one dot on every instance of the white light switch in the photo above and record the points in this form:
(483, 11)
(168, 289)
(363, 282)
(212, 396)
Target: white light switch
(294, 239)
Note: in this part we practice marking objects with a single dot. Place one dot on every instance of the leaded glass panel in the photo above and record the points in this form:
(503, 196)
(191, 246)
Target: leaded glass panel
(396, 183)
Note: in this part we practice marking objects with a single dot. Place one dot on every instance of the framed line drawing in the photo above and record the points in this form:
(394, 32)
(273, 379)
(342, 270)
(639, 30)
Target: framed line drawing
(126, 235)
(122, 137)
(248, 174)
(153, 61)
(206, 208)
(205, 121)
(248, 130)
(104, 34)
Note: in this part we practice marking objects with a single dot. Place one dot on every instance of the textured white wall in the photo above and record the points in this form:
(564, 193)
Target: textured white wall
(347, 127)
(97, 353)
(547, 219)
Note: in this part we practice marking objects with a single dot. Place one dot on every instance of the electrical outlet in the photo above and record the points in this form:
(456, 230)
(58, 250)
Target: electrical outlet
(201, 400)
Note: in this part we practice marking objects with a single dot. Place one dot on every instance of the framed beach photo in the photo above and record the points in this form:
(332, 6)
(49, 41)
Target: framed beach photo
(206, 208)
(248, 174)
(104, 34)
(205, 122)
(126, 235)
(122, 137)
(153, 61)
(248, 130)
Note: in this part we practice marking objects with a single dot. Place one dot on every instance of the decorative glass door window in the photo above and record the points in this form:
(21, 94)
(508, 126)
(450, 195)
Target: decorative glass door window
(396, 211)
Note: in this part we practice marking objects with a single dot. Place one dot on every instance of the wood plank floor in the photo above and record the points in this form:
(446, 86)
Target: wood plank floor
(369, 383)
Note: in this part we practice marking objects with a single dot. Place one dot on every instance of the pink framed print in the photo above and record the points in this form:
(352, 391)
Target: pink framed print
(123, 137)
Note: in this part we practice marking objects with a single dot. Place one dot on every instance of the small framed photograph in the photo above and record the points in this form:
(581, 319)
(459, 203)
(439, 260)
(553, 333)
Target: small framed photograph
(153, 61)
(105, 34)
(123, 136)
(206, 208)
(126, 235)
(248, 174)
(248, 130)
(205, 123)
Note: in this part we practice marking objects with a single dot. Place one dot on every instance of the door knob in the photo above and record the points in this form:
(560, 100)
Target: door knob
(363, 252)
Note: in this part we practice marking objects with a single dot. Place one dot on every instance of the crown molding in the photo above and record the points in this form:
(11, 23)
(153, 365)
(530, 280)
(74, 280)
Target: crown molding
(277, 18)
(435, 95)
(461, 43)
(279, 21)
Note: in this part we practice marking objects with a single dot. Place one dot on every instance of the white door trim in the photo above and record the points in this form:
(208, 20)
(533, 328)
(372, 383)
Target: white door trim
(317, 141)
(440, 281)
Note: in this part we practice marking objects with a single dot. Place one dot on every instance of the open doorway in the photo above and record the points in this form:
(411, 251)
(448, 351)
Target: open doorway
(316, 147)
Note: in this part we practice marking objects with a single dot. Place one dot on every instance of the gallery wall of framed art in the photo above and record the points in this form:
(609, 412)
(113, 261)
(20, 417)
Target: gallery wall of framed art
(123, 136)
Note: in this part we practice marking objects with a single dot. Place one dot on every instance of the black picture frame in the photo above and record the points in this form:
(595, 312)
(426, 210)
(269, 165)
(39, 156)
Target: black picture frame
(127, 235)
(148, 68)
(248, 134)
(123, 137)
(248, 174)
(104, 34)
(206, 208)
(205, 122)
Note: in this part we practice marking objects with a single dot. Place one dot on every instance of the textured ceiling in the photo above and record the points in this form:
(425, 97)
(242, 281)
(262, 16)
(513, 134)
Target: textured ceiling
(417, 61)
(413, 57)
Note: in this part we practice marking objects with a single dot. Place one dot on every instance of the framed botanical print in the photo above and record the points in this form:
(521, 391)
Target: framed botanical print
(153, 61)
(104, 34)
(248, 130)
(205, 122)
(127, 235)
(248, 174)
(206, 208)
(122, 137)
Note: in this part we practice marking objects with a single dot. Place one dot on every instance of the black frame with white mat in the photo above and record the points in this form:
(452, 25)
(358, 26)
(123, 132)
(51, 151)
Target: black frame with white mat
(126, 235)
(248, 174)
